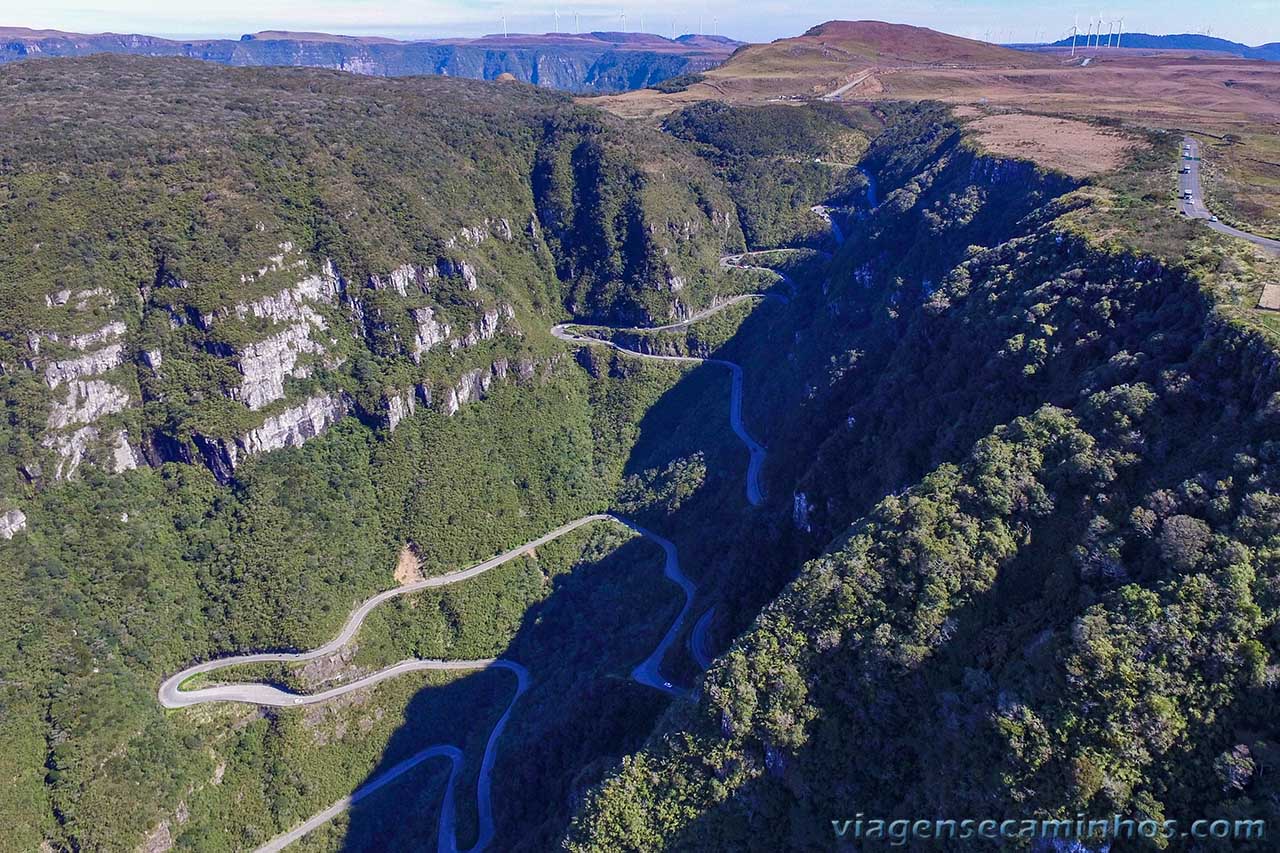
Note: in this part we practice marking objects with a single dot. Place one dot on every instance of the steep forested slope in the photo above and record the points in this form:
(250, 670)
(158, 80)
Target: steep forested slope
(1046, 470)
(251, 255)
(778, 161)
(203, 265)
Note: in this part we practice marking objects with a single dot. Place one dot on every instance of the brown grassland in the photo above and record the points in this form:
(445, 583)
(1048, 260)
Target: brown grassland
(1234, 104)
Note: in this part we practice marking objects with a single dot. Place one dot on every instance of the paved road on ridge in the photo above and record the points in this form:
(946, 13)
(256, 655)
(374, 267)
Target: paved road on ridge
(647, 672)
(1189, 181)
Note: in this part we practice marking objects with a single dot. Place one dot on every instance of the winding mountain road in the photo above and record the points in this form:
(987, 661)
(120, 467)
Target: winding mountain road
(172, 696)
(647, 672)
(755, 496)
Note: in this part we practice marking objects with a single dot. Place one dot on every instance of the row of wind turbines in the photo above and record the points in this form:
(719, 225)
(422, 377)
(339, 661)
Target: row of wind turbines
(1094, 33)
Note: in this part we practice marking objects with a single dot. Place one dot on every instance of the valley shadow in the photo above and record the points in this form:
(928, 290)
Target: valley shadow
(582, 711)
(926, 729)
(579, 714)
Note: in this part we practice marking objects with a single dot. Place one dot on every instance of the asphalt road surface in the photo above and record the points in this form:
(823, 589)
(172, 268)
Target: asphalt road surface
(1194, 207)
(647, 672)
(699, 642)
(755, 496)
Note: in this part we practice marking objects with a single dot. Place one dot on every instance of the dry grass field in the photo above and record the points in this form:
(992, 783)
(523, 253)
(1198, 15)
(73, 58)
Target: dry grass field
(1221, 97)
(1075, 147)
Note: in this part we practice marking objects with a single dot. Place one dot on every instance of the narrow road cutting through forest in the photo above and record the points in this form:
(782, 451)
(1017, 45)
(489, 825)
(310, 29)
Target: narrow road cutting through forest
(648, 672)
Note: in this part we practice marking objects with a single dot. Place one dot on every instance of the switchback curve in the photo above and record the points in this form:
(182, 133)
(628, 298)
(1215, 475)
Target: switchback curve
(648, 672)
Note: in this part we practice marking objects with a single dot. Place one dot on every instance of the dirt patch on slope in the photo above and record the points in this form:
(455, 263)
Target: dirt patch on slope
(1075, 147)
(408, 566)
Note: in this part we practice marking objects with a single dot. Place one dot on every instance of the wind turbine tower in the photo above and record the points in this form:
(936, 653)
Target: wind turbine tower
(557, 20)
(622, 21)
(504, 25)
(1120, 34)
(1075, 31)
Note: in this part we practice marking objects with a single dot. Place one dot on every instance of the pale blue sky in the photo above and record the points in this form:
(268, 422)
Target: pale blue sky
(1250, 21)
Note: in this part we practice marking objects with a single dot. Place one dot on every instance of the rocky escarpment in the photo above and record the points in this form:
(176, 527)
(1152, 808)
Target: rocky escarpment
(588, 62)
(331, 286)
(80, 369)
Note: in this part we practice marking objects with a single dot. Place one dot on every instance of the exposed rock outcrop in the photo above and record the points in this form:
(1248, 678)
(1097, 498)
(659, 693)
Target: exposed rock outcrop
(473, 385)
(287, 305)
(89, 364)
(87, 401)
(399, 407)
(428, 332)
(108, 332)
(290, 428)
(265, 364)
(295, 425)
(12, 522)
(123, 455)
(70, 449)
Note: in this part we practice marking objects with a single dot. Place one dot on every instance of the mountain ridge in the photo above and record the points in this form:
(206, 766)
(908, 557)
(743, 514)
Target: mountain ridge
(1192, 41)
(597, 62)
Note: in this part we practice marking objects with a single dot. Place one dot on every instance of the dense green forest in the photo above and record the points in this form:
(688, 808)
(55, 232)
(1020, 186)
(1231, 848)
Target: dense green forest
(779, 160)
(1018, 555)
(1037, 495)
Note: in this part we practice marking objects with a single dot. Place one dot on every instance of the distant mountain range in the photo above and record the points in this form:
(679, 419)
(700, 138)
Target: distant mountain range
(1192, 41)
(596, 62)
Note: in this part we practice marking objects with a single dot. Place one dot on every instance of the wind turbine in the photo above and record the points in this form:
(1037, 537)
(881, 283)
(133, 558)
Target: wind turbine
(557, 20)
(504, 24)
(622, 21)
(577, 25)
(1075, 31)
(1120, 34)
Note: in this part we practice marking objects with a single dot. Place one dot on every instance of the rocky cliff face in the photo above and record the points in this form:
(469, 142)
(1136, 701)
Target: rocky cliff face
(12, 522)
(588, 62)
(417, 277)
